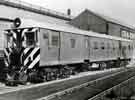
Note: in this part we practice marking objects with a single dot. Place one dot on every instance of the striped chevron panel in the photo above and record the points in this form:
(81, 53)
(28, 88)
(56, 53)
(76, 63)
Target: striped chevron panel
(6, 55)
(7, 52)
(31, 57)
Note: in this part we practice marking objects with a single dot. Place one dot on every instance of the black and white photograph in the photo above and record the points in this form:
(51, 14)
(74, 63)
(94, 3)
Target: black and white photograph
(67, 49)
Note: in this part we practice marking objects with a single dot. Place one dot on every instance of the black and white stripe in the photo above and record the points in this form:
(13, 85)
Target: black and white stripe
(31, 57)
(6, 56)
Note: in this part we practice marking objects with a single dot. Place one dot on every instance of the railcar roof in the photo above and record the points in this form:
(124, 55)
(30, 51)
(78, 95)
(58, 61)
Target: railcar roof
(67, 28)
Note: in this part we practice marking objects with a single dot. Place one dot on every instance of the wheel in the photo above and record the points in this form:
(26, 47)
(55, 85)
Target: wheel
(23, 78)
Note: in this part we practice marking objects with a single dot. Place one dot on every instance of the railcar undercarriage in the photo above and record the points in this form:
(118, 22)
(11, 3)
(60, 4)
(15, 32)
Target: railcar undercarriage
(13, 76)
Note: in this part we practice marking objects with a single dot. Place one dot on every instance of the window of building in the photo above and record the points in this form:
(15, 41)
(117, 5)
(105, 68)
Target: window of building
(73, 42)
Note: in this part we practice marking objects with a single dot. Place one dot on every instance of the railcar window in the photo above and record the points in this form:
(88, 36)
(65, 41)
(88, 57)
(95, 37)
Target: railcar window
(55, 40)
(30, 38)
(86, 43)
(108, 45)
(129, 47)
(113, 46)
(95, 45)
(132, 47)
(102, 45)
(9, 40)
(124, 47)
(45, 36)
(73, 42)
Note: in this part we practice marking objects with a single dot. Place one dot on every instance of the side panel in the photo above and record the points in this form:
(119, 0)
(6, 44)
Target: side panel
(103, 49)
(124, 50)
(96, 53)
(49, 54)
(131, 50)
(72, 48)
(128, 49)
(113, 49)
(109, 49)
(117, 50)
(86, 47)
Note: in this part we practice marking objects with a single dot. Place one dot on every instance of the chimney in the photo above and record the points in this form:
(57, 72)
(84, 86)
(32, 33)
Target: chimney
(69, 12)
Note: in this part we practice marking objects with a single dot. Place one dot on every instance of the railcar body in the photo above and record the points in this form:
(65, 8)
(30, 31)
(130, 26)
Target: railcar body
(44, 45)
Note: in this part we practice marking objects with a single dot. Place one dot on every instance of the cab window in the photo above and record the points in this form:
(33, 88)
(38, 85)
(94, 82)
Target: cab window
(9, 40)
(31, 38)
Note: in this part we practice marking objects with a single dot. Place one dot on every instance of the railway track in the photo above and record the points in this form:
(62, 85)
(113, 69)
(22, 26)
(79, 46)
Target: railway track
(90, 89)
(116, 91)
(41, 90)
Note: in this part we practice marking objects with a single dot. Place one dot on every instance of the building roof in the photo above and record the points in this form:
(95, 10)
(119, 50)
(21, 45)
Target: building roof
(110, 19)
(37, 9)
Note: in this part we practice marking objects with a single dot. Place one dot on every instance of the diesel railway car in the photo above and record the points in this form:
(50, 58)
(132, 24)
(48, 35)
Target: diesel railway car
(46, 51)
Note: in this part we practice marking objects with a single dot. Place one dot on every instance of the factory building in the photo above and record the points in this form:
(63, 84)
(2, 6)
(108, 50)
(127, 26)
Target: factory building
(96, 22)
(16, 8)
(87, 20)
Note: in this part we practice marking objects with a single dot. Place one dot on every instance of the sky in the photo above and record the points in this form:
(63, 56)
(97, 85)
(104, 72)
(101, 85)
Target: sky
(123, 10)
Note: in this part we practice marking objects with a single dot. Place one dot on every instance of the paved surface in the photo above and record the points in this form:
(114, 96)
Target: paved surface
(92, 88)
(40, 90)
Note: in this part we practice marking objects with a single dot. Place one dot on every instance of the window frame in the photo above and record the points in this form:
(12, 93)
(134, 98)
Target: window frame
(72, 43)
(51, 34)
(95, 45)
(102, 45)
(34, 41)
(86, 42)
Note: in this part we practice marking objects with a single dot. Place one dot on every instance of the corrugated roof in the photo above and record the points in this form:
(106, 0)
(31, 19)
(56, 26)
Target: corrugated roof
(37, 9)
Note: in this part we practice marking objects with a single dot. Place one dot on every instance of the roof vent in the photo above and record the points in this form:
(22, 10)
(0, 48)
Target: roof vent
(69, 12)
